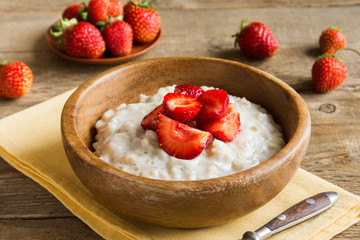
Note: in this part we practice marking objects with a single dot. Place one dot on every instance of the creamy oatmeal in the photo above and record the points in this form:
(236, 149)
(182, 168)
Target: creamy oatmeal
(123, 143)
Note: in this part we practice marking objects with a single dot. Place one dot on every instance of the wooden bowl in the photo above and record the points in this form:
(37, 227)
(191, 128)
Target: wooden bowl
(183, 204)
(137, 50)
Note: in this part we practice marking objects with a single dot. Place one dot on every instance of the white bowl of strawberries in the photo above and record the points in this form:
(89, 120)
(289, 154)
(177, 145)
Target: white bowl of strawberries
(105, 32)
(183, 203)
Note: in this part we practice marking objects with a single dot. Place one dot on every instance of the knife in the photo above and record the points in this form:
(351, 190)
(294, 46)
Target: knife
(296, 214)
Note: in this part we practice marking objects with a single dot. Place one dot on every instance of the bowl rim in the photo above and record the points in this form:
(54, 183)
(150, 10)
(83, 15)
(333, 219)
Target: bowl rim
(246, 177)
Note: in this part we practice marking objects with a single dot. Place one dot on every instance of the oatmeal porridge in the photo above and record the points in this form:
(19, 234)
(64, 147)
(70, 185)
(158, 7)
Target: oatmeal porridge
(122, 142)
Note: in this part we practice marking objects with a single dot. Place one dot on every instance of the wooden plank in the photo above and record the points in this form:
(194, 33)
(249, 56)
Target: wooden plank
(58, 6)
(61, 229)
(21, 197)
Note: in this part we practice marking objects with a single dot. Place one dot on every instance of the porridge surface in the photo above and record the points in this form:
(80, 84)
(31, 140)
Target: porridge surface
(123, 143)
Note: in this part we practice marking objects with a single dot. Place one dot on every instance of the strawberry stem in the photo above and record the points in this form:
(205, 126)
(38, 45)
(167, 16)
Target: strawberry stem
(4, 62)
(64, 24)
(335, 28)
(119, 18)
(242, 26)
(144, 4)
(84, 16)
(100, 23)
(351, 49)
(83, 12)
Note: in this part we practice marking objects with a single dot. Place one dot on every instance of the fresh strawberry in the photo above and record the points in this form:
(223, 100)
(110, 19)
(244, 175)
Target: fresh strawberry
(74, 11)
(180, 107)
(150, 120)
(331, 40)
(256, 40)
(118, 37)
(100, 10)
(328, 72)
(189, 89)
(81, 39)
(115, 8)
(214, 104)
(180, 140)
(225, 128)
(16, 79)
(144, 20)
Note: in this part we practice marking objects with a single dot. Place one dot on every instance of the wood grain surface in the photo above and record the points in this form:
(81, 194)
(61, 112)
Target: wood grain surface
(190, 28)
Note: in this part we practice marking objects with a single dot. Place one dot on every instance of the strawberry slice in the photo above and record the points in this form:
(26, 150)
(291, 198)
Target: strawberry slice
(189, 89)
(180, 107)
(225, 128)
(214, 104)
(150, 120)
(180, 140)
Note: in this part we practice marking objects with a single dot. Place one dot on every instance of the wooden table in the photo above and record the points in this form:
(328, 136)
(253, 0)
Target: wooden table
(190, 28)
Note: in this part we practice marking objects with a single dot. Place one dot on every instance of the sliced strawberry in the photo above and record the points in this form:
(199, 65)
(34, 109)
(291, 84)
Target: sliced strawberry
(180, 140)
(225, 128)
(189, 89)
(150, 120)
(214, 104)
(180, 107)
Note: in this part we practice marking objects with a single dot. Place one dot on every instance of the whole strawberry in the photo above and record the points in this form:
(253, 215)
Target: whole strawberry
(81, 39)
(118, 37)
(328, 72)
(16, 79)
(256, 40)
(331, 40)
(75, 11)
(144, 20)
(100, 10)
(115, 8)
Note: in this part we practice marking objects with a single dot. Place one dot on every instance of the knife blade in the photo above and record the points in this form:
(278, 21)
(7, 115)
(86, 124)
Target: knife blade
(294, 215)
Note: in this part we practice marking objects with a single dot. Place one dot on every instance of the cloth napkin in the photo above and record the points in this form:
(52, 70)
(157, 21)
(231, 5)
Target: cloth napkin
(34, 148)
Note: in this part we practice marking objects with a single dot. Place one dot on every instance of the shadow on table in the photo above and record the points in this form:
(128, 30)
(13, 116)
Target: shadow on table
(235, 54)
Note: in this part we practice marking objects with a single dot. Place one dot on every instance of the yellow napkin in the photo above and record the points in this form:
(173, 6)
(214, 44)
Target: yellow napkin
(34, 147)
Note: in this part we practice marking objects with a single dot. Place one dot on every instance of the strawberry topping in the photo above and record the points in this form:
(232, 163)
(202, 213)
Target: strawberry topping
(185, 124)
(150, 120)
(225, 128)
(180, 107)
(189, 89)
(180, 140)
(214, 104)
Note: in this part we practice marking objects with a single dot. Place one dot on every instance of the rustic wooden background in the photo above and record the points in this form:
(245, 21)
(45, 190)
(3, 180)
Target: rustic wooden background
(190, 28)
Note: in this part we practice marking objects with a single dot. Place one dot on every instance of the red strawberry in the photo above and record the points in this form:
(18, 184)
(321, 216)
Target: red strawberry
(16, 79)
(74, 11)
(150, 120)
(180, 140)
(100, 10)
(81, 39)
(225, 128)
(189, 89)
(180, 107)
(115, 8)
(256, 40)
(144, 20)
(328, 72)
(331, 40)
(118, 37)
(214, 104)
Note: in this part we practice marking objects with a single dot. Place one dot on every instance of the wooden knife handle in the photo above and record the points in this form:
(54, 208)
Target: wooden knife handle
(302, 211)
